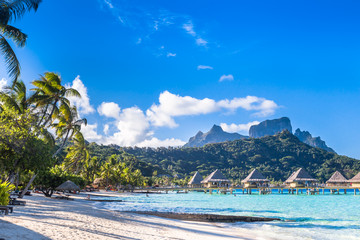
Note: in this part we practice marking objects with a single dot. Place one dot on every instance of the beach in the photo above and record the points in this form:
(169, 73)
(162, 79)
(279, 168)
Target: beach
(45, 218)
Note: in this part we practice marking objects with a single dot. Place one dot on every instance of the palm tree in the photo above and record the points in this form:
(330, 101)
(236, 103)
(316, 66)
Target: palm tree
(78, 153)
(51, 94)
(68, 125)
(15, 98)
(11, 10)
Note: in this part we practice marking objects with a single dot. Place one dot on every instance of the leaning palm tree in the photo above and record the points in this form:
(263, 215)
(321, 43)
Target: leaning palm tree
(11, 10)
(50, 95)
(67, 125)
(78, 154)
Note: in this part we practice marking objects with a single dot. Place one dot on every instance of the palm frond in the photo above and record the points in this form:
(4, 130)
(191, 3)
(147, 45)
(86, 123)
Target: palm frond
(14, 34)
(48, 137)
(81, 121)
(8, 101)
(12, 10)
(11, 61)
(65, 111)
(43, 86)
(54, 80)
(71, 92)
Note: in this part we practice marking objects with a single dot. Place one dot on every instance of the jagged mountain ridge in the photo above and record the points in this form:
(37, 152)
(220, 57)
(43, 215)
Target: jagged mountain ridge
(265, 128)
(307, 138)
(215, 135)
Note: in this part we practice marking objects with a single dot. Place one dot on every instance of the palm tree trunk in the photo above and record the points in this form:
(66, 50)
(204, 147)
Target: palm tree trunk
(43, 116)
(52, 112)
(62, 145)
(27, 186)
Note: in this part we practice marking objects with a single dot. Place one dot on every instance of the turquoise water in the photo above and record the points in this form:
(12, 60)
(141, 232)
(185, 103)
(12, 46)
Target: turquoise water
(315, 216)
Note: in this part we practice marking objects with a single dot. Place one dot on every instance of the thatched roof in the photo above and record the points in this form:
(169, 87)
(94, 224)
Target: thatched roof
(69, 186)
(337, 177)
(299, 176)
(196, 179)
(355, 179)
(255, 176)
(215, 176)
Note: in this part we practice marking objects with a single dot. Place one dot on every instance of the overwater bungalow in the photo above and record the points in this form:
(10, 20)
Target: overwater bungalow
(195, 181)
(255, 180)
(355, 181)
(216, 179)
(337, 180)
(300, 178)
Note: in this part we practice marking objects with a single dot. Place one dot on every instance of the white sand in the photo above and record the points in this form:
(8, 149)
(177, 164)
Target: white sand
(44, 218)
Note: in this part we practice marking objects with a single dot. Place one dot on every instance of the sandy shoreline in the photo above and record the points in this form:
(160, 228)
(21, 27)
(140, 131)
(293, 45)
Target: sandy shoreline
(44, 218)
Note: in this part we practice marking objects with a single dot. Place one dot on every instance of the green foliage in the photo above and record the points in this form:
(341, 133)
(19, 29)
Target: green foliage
(275, 156)
(5, 189)
(48, 180)
(20, 146)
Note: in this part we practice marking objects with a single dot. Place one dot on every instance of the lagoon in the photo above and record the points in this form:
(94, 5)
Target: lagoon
(314, 216)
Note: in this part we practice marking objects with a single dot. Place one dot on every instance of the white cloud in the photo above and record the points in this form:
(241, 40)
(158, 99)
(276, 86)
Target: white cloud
(3, 84)
(263, 106)
(201, 42)
(171, 54)
(109, 109)
(201, 67)
(172, 105)
(229, 77)
(106, 129)
(189, 28)
(155, 142)
(90, 134)
(242, 128)
(133, 128)
(109, 3)
(83, 103)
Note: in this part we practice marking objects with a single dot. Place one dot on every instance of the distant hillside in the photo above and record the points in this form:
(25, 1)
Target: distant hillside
(104, 152)
(275, 156)
(215, 135)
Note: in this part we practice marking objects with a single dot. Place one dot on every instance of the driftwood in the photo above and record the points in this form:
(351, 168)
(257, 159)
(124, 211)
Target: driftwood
(208, 217)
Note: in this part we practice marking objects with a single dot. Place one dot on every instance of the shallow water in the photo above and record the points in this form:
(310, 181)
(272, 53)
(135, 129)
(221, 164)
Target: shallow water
(315, 216)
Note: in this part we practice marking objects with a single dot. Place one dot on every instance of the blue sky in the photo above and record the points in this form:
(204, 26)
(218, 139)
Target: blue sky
(153, 73)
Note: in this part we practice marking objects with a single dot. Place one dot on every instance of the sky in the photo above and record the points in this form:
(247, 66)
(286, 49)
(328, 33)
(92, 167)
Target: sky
(154, 73)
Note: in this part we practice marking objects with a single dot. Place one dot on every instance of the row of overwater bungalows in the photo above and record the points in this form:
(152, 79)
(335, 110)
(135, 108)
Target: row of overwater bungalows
(298, 179)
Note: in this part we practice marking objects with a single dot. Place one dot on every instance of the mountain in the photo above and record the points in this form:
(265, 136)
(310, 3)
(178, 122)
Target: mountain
(307, 138)
(276, 157)
(215, 135)
(270, 127)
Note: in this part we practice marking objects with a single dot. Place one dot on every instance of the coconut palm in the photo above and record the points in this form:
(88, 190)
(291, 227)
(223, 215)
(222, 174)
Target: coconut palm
(78, 153)
(15, 98)
(67, 125)
(11, 10)
(52, 95)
